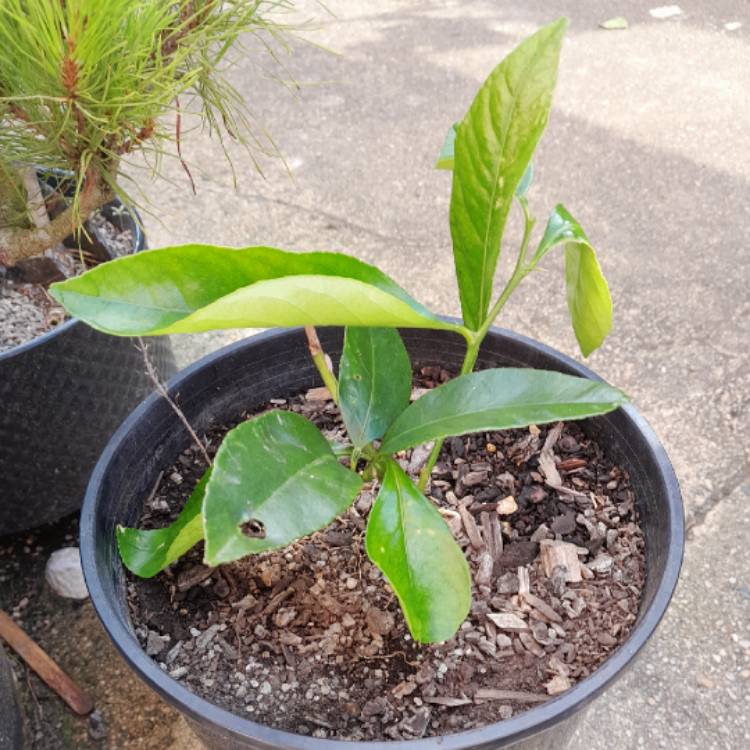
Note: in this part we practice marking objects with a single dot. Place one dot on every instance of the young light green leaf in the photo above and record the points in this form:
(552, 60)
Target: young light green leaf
(494, 145)
(561, 227)
(445, 160)
(147, 552)
(413, 546)
(496, 400)
(196, 288)
(589, 300)
(526, 180)
(274, 480)
(374, 382)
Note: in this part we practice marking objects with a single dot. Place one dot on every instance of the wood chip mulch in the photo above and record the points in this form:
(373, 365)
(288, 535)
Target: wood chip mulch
(311, 639)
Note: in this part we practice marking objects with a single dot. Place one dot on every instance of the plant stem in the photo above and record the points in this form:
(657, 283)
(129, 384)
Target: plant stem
(472, 349)
(319, 358)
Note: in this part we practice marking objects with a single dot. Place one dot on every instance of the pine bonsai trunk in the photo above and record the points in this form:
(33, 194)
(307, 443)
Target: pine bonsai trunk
(20, 243)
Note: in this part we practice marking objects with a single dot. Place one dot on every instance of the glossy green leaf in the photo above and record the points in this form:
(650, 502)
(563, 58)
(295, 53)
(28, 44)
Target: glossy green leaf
(494, 145)
(374, 382)
(147, 552)
(274, 480)
(589, 300)
(411, 543)
(445, 160)
(496, 400)
(196, 288)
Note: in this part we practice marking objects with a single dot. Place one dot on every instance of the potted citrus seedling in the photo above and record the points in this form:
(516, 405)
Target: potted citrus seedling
(412, 532)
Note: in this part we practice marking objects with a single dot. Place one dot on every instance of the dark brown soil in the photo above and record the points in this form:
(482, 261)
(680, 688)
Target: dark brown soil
(132, 716)
(311, 639)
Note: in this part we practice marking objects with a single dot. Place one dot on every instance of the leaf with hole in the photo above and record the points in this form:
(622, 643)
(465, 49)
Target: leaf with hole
(147, 552)
(496, 400)
(411, 543)
(374, 382)
(274, 479)
(195, 288)
(494, 145)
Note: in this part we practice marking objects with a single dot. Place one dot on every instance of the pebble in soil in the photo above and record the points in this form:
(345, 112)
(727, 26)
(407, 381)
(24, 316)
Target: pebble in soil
(311, 639)
(26, 309)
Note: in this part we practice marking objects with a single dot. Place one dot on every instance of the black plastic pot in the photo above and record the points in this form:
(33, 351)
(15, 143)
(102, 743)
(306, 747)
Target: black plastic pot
(11, 722)
(62, 395)
(277, 364)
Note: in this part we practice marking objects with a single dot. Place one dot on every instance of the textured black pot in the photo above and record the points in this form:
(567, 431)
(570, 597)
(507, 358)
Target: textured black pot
(277, 364)
(62, 395)
(11, 723)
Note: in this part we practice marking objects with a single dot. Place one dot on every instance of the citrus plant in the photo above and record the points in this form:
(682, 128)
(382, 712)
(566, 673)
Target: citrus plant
(84, 84)
(275, 478)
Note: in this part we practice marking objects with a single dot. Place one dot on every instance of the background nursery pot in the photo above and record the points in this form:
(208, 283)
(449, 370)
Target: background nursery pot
(62, 395)
(11, 724)
(277, 364)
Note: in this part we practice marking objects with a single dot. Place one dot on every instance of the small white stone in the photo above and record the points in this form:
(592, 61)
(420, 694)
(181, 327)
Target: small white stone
(64, 574)
(733, 26)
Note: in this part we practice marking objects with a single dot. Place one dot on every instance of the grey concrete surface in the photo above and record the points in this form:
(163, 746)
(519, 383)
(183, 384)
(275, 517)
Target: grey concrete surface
(649, 146)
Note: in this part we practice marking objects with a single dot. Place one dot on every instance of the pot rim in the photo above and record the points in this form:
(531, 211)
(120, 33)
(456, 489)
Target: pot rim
(525, 724)
(139, 244)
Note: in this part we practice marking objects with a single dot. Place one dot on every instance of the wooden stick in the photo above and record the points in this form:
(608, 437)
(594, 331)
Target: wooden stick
(44, 666)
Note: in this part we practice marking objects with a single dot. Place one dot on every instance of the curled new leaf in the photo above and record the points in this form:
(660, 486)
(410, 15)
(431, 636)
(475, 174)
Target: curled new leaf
(411, 543)
(589, 300)
(196, 288)
(445, 160)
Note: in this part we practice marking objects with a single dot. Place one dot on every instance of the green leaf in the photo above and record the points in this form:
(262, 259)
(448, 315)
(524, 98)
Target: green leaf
(274, 480)
(147, 552)
(445, 160)
(496, 400)
(374, 382)
(494, 145)
(196, 288)
(411, 543)
(561, 227)
(526, 180)
(589, 300)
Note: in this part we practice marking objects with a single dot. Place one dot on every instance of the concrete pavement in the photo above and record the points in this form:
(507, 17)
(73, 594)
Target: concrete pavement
(649, 148)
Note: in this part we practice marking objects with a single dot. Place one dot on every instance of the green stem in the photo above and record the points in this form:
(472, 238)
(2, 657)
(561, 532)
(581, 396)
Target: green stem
(319, 358)
(470, 358)
(472, 349)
